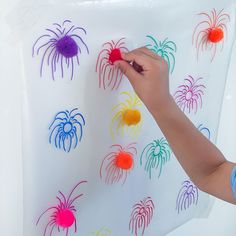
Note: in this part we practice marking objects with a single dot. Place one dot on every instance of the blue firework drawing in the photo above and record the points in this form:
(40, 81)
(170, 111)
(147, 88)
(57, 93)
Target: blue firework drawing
(188, 196)
(205, 131)
(166, 49)
(60, 47)
(155, 155)
(66, 130)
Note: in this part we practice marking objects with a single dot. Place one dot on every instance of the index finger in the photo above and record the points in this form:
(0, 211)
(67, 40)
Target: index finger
(139, 57)
(150, 53)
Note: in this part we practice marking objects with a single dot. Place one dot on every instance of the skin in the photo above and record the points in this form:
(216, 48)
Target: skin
(203, 162)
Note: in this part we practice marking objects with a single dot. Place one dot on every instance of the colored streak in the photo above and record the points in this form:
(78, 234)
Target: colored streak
(233, 181)
(166, 49)
(66, 130)
(127, 117)
(117, 165)
(141, 216)
(189, 95)
(62, 215)
(209, 34)
(109, 75)
(102, 232)
(188, 196)
(60, 47)
(155, 155)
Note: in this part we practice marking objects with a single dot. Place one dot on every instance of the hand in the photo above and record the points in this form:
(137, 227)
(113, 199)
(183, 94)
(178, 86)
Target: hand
(152, 83)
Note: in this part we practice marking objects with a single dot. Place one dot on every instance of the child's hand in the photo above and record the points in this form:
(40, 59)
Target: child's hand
(152, 84)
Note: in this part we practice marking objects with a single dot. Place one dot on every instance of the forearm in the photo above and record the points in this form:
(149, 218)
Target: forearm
(197, 155)
(202, 161)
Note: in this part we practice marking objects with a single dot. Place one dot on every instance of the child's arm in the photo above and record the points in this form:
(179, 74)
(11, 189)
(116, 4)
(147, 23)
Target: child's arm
(203, 162)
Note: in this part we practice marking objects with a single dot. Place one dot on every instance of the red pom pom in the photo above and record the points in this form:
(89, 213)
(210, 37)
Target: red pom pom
(65, 218)
(124, 161)
(216, 35)
(115, 55)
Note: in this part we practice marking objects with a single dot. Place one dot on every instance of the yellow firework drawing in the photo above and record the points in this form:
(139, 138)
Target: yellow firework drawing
(127, 118)
(102, 232)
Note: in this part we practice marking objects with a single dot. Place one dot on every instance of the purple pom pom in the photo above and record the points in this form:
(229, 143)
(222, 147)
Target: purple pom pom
(67, 47)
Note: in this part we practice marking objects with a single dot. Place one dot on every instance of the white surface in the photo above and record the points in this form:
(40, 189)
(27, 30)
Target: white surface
(222, 218)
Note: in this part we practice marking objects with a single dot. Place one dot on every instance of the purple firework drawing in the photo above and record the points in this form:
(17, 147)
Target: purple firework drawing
(188, 195)
(189, 96)
(60, 47)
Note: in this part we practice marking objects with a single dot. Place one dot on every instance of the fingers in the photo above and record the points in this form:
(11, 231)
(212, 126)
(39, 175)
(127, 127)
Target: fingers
(137, 56)
(150, 53)
(140, 54)
(129, 72)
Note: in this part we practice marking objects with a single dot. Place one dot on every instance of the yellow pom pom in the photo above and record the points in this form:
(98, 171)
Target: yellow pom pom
(131, 117)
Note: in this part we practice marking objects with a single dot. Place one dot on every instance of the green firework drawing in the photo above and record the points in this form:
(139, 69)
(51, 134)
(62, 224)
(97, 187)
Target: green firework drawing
(166, 49)
(155, 155)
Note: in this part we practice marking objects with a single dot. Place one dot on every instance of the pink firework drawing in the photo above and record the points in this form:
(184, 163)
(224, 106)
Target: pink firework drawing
(118, 163)
(62, 215)
(189, 96)
(210, 33)
(141, 216)
(109, 75)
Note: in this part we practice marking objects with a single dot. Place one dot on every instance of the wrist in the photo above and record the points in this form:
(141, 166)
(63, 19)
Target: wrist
(164, 108)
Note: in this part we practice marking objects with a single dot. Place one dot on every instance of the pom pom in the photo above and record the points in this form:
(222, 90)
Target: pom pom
(131, 117)
(124, 161)
(67, 47)
(216, 35)
(115, 55)
(65, 218)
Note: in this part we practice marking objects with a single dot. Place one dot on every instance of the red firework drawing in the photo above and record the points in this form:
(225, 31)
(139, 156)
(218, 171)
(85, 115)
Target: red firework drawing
(118, 163)
(189, 96)
(109, 75)
(210, 32)
(141, 216)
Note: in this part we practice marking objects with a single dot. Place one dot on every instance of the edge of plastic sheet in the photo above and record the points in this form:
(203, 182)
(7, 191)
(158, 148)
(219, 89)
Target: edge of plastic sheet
(27, 12)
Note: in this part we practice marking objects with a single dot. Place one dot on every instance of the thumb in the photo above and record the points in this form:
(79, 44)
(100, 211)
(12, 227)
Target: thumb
(128, 71)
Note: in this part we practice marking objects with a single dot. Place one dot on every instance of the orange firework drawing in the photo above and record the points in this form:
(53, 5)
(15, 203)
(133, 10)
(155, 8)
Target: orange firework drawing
(210, 33)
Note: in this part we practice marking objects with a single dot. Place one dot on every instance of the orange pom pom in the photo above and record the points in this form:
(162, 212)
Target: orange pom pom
(131, 117)
(124, 161)
(216, 35)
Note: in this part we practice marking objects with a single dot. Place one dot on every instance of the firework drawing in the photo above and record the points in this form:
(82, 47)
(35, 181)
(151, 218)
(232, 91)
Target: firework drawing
(127, 116)
(60, 48)
(210, 32)
(188, 196)
(155, 155)
(109, 76)
(166, 49)
(62, 216)
(141, 216)
(189, 96)
(66, 130)
(117, 165)
(102, 232)
(205, 131)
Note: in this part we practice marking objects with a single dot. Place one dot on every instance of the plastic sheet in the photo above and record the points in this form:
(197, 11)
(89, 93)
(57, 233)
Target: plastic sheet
(74, 105)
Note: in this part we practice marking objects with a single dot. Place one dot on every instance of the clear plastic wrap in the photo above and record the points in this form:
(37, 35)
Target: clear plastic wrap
(74, 102)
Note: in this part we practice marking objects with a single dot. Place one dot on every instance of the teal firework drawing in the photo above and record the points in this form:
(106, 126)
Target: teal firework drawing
(166, 49)
(155, 155)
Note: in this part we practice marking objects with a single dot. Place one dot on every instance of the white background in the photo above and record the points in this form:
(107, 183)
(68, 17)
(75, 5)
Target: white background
(223, 215)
